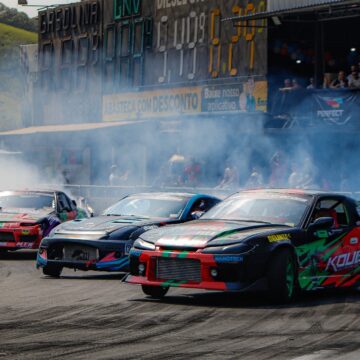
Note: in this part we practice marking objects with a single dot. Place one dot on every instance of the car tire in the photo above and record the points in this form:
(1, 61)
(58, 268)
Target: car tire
(52, 270)
(282, 274)
(157, 292)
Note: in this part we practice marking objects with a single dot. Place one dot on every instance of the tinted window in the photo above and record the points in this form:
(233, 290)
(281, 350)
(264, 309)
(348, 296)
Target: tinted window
(163, 207)
(27, 201)
(64, 202)
(334, 208)
(277, 209)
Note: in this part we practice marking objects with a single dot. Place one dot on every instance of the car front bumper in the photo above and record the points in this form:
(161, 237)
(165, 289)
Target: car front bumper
(226, 272)
(20, 238)
(111, 255)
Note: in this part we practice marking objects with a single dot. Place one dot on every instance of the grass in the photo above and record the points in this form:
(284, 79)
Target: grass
(11, 93)
(11, 36)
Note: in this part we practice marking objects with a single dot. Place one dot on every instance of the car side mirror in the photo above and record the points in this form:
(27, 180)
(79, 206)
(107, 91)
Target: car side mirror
(197, 214)
(322, 223)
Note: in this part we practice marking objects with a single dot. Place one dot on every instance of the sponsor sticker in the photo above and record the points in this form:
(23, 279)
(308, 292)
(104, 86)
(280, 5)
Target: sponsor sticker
(128, 247)
(343, 261)
(228, 258)
(279, 237)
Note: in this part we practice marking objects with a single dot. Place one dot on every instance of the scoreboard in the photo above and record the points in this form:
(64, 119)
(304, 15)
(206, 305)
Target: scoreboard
(106, 47)
(183, 41)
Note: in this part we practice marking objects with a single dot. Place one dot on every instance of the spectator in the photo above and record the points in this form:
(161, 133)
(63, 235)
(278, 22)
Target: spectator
(295, 85)
(278, 171)
(255, 179)
(114, 177)
(354, 82)
(353, 68)
(230, 178)
(192, 172)
(287, 85)
(311, 84)
(295, 178)
(327, 81)
(340, 82)
(66, 177)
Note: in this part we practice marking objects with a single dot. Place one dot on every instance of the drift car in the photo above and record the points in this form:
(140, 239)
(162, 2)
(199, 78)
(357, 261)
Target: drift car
(274, 240)
(27, 216)
(104, 242)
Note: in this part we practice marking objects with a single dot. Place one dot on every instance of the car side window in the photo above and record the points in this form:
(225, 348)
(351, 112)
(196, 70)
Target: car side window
(64, 204)
(342, 215)
(202, 204)
(333, 208)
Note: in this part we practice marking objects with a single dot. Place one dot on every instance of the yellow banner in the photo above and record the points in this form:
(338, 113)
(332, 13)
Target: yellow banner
(147, 104)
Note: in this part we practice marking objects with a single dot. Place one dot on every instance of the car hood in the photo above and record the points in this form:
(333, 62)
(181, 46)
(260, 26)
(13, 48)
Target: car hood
(202, 233)
(23, 215)
(105, 223)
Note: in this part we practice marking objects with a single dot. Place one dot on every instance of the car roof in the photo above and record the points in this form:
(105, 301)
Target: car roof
(29, 191)
(299, 192)
(167, 194)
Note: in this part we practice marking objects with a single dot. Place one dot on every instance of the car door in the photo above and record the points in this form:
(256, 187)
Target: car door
(65, 209)
(327, 253)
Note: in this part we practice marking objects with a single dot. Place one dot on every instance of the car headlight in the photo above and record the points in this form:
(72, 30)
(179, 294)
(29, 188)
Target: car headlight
(142, 244)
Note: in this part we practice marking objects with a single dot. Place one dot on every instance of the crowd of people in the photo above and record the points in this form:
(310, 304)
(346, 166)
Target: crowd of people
(342, 80)
(280, 172)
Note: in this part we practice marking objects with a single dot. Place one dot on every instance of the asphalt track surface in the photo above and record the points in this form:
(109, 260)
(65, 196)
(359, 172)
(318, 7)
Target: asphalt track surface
(90, 315)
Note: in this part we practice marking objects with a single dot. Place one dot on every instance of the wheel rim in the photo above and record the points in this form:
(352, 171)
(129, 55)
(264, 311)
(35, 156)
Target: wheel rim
(290, 274)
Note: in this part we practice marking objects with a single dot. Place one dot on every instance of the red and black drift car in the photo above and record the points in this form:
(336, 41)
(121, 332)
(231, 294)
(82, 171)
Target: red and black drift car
(27, 216)
(274, 240)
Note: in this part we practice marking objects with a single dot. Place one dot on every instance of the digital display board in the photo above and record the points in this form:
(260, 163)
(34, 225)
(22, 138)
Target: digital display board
(102, 47)
(182, 41)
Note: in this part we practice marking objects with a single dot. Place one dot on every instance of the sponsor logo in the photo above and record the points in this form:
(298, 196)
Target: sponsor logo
(279, 237)
(25, 232)
(150, 227)
(335, 103)
(228, 258)
(128, 247)
(343, 261)
(24, 245)
(330, 113)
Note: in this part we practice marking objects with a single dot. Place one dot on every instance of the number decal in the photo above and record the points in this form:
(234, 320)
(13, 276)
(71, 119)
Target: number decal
(262, 8)
(162, 35)
(235, 40)
(249, 36)
(215, 46)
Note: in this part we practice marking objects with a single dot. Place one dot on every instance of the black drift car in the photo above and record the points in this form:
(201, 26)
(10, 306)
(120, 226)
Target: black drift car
(104, 242)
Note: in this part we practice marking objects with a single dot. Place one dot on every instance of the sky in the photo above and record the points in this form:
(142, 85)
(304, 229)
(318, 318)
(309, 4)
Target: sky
(32, 11)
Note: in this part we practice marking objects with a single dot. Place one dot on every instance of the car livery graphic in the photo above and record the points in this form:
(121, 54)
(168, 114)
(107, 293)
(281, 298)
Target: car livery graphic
(272, 240)
(104, 242)
(27, 216)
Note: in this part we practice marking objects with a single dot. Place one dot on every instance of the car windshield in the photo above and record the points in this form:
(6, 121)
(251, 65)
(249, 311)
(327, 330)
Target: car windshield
(156, 206)
(274, 209)
(27, 201)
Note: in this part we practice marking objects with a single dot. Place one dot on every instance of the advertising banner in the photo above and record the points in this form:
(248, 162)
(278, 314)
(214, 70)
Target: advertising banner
(156, 103)
(248, 96)
(319, 107)
(337, 108)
